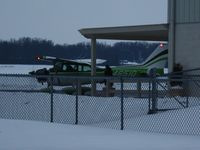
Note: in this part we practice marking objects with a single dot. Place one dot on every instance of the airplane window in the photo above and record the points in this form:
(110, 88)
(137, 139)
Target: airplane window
(64, 67)
(86, 68)
(79, 68)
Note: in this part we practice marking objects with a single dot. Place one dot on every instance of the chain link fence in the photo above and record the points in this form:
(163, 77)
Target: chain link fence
(139, 104)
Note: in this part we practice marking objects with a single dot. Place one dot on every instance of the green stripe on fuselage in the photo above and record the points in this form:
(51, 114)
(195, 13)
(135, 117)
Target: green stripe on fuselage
(135, 72)
(129, 71)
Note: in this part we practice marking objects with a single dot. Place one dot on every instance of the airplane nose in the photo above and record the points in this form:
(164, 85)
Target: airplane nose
(38, 72)
(43, 71)
(31, 72)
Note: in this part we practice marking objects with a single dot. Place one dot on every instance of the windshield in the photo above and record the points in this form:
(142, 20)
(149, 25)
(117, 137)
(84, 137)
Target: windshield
(58, 66)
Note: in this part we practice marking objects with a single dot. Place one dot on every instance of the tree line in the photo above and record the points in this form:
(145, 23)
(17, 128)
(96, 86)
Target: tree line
(25, 50)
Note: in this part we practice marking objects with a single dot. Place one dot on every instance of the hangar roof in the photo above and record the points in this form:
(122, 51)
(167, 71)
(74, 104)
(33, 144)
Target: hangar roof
(153, 32)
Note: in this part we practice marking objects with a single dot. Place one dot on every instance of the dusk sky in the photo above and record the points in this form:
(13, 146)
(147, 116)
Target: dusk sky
(60, 20)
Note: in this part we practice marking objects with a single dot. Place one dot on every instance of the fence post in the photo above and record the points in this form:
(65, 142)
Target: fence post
(154, 96)
(187, 93)
(149, 96)
(51, 93)
(139, 88)
(77, 92)
(122, 104)
(154, 92)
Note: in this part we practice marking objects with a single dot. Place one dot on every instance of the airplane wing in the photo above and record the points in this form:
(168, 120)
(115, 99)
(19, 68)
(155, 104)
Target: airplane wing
(79, 61)
(55, 59)
(88, 61)
(46, 58)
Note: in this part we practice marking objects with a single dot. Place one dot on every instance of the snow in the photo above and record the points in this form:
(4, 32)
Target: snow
(36, 135)
(20, 69)
(30, 135)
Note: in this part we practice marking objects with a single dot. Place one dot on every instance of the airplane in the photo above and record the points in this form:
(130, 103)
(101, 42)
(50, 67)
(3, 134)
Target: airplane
(66, 67)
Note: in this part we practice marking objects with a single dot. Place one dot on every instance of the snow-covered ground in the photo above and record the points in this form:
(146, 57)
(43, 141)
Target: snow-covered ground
(32, 135)
(102, 112)
(20, 69)
(29, 135)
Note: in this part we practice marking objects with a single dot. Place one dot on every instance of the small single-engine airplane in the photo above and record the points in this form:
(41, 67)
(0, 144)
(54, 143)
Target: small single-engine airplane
(65, 67)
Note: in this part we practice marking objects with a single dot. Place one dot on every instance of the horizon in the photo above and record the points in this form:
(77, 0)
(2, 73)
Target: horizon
(99, 41)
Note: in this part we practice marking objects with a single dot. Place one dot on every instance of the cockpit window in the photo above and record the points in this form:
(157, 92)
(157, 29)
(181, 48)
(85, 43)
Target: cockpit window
(64, 67)
(58, 66)
(69, 68)
(74, 67)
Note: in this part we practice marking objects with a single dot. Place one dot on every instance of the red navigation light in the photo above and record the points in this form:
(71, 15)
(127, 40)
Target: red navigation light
(161, 45)
(38, 58)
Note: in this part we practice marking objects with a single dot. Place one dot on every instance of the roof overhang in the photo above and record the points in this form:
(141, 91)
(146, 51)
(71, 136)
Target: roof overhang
(154, 32)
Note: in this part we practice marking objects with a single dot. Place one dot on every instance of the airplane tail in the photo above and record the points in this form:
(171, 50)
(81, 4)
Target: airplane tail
(158, 59)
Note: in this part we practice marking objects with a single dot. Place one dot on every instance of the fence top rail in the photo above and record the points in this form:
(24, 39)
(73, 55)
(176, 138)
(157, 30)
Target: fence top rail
(67, 76)
(113, 78)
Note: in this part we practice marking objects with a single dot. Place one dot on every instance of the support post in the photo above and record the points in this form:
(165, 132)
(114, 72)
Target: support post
(171, 43)
(93, 65)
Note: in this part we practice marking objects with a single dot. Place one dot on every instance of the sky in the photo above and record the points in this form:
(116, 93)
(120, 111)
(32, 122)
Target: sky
(60, 20)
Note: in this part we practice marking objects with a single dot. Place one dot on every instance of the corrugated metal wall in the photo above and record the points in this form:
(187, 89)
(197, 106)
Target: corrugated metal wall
(187, 11)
